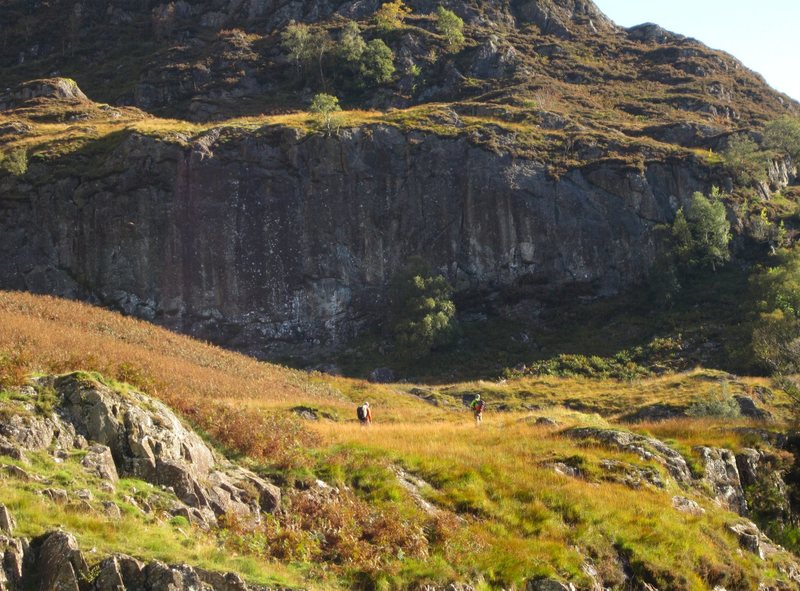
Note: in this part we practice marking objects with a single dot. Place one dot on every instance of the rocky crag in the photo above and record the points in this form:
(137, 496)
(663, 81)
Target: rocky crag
(531, 165)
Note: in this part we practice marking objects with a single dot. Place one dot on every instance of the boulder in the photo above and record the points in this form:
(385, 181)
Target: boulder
(631, 475)
(57, 563)
(111, 509)
(752, 540)
(100, 462)
(685, 505)
(12, 552)
(20, 474)
(57, 495)
(269, 495)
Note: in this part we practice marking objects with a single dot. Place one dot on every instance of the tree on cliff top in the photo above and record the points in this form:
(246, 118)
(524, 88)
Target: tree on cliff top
(325, 105)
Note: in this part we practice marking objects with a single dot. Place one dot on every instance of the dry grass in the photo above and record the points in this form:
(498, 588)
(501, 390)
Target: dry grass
(235, 399)
(503, 514)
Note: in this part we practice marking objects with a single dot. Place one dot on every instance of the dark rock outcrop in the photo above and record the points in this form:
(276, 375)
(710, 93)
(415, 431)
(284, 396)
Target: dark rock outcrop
(275, 238)
(54, 562)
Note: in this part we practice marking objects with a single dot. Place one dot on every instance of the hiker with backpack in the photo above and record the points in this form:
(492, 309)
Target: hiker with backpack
(364, 415)
(477, 406)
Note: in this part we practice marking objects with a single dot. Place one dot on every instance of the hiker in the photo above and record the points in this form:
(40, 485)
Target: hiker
(477, 406)
(364, 414)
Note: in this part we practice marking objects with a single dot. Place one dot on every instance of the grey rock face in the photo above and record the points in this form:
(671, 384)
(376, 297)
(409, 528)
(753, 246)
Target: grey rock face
(7, 523)
(100, 462)
(722, 474)
(273, 237)
(134, 435)
(647, 448)
(54, 562)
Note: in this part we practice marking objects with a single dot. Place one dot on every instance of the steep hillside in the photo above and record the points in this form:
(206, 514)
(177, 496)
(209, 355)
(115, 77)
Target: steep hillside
(543, 494)
(530, 164)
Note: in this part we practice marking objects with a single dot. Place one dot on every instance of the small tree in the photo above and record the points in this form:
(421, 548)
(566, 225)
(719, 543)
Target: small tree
(377, 62)
(450, 25)
(351, 43)
(745, 160)
(390, 15)
(422, 310)
(701, 235)
(306, 45)
(325, 105)
(783, 135)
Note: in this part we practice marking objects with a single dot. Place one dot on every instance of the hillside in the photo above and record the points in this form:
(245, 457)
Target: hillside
(556, 487)
(531, 164)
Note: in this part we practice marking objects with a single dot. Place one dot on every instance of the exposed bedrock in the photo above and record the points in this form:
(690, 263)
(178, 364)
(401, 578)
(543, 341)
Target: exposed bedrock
(251, 240)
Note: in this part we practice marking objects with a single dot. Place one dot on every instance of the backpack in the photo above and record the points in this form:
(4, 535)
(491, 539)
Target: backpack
(479, 406)
(361, 412)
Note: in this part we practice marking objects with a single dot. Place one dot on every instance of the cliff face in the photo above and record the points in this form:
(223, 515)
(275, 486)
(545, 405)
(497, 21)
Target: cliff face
(253, 240)
(529, 163)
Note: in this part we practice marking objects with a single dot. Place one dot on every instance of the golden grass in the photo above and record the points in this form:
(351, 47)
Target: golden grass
(500, 474)
(505, 514)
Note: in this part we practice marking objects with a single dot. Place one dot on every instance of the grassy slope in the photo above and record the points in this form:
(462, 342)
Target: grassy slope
(504, 514)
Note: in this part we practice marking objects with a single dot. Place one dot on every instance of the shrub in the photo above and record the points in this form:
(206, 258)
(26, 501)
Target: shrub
(377, 63)
(15, 162)
(721, 406)
(422, 310)
(776, 342)
(621, 366)
(702, 233)
(450, 25)
(783, 135)
(390, 15)
(745, 160)
(325, 105)
(776, 338)
(179, 521)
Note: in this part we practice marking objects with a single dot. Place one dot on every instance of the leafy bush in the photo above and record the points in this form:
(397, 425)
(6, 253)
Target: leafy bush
(721, 406)
(390, 15)
(776, 342)
(621, 366)
(450, 25)
(745, 160)
(776, 338)
(377, 62)
(306, 45)
(351, 43)
(15, 162)
(702, 233)
(422, 310)
(179, 521)
(783, 135)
